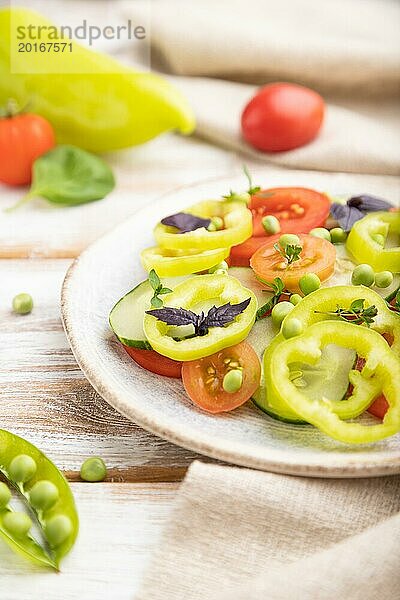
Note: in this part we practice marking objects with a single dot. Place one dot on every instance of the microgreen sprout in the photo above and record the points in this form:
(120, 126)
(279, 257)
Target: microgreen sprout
(158, 289)
(290, 253)
(356, 314)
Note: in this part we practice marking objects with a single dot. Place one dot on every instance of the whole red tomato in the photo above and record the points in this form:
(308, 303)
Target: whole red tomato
(282, 116)
(23, 138)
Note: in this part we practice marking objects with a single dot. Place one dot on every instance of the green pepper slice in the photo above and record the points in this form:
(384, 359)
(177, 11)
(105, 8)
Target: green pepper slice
(196, 294)
(238, 227)
(382, 369)
(326, 300)
(366, 249)
(12, 446)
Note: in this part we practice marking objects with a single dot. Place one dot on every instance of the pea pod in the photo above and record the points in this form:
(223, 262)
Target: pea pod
(48, 496)
(91, 100)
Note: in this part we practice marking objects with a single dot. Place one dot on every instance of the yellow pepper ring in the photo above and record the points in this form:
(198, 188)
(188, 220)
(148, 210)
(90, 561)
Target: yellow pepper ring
(366, 250)
(238, 227)
(381, 364)
(172, 263)
(219, 289)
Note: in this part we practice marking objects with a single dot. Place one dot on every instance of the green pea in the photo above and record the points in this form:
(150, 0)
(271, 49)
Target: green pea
(222, 266)
(289, 239)
(309, 283)
(291, 327)
(295, 299)
(233, 381)
(220, 272)
(271, 224)
(22, 304)
(383, 279)
(338, 235)
(378, 238)
(43, 495)
(22, 468)
(5, 495)
(280, 311)
(17, 523)
(321, 232)
(363, 275)
(93, 469)
(58, 529)
(216, 224)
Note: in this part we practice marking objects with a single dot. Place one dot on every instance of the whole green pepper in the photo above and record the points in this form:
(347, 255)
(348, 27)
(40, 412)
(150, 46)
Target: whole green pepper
(91, 100)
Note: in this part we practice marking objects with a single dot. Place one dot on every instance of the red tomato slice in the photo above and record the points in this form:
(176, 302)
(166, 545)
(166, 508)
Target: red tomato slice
(317, 256)
(203, 378)
(298, 209)
(154, 362)
(380, 405)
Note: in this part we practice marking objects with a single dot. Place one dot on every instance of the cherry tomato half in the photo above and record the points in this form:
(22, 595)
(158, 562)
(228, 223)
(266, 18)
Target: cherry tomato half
(298, 210)
(317, 256)
(282, 116)
(154, 362)
(23, 138)
(203, 378)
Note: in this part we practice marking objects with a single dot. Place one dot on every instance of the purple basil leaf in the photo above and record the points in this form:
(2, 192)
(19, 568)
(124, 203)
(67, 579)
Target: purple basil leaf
(185, 222)
(367, 203)
(346, 215)
(174, 316)
(222, 315)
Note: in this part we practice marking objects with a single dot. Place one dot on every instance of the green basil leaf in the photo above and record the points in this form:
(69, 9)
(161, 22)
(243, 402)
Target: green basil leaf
(68, 175)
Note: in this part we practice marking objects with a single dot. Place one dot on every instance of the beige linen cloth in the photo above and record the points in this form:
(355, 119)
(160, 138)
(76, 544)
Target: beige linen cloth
(349, 50)
(238, 534)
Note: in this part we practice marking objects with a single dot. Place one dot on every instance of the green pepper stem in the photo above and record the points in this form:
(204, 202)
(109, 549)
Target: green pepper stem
(31, 194)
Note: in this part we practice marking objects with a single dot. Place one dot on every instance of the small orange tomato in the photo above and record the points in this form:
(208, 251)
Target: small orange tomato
(23, 138)
(317, 256)
(203, 378)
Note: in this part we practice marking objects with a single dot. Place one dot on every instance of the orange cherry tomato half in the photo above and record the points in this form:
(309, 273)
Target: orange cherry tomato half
(298, 210)
(317, 256)
(203, 378)
(282, 116)
(156, 363)
(23, 138)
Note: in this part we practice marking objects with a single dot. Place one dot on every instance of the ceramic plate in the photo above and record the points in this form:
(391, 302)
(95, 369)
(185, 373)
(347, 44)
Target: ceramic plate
(111, 267)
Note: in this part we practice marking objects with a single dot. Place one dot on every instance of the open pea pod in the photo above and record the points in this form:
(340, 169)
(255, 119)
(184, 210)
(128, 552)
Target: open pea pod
(48, 496)
(91, 100)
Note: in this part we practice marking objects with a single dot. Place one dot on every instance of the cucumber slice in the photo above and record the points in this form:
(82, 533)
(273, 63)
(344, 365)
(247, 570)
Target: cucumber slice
(126, 317)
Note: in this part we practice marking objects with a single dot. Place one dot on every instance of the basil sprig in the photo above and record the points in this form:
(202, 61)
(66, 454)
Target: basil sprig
(217, 316)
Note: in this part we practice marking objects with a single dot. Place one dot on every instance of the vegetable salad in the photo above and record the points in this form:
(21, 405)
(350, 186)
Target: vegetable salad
(245, 300)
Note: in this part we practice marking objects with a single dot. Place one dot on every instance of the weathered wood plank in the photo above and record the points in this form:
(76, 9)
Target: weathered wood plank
(45, 397)
(41, 230)
(120, 526)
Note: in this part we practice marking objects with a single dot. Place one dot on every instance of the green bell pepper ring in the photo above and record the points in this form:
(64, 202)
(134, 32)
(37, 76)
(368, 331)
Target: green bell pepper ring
(91, 100)
(46, 509)
(326, 300)
(196, 294)
(366, 249)
(238, 227)
(381, 365)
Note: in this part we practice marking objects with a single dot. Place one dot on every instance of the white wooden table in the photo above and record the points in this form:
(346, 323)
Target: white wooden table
(45, 398)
